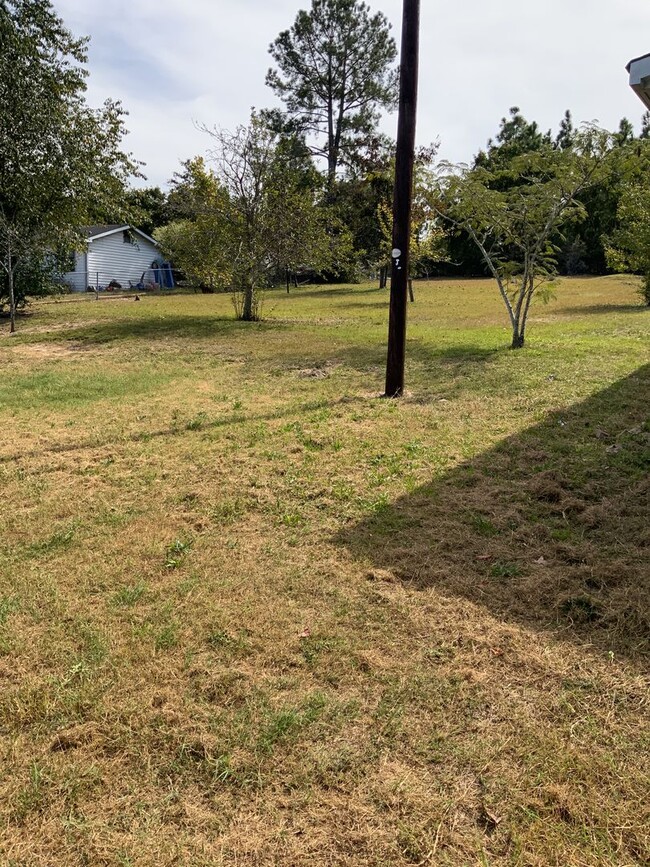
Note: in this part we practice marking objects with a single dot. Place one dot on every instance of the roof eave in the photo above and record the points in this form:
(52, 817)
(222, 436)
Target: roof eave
(126, 228)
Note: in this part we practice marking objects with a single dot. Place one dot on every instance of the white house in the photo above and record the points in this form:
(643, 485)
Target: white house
(119, 255)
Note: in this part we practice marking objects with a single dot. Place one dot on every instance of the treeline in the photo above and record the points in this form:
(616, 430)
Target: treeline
(304, 192)
(358, 200)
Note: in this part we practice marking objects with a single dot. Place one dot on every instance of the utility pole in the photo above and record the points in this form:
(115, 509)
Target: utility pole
(403, 196)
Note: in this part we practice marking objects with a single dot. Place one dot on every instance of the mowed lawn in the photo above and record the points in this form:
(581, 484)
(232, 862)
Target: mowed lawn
(253, 614)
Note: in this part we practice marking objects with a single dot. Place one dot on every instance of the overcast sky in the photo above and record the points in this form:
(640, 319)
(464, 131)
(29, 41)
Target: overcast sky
(174, 64)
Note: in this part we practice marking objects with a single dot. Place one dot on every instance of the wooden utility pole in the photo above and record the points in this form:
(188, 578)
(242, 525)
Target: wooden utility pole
(403, 196)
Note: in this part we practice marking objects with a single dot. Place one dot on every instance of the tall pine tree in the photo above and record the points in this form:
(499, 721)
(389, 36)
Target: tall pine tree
(335, 71)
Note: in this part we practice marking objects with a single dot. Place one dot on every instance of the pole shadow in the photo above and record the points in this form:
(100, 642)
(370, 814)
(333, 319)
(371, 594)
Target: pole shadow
(550, 529)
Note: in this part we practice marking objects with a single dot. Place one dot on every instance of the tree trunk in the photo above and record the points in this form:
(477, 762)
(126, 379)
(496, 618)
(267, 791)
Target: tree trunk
(524, 316)
(517, 338)
(288, 281)
(12, 294)
(383, 277)
(248, 310)
(411, 295)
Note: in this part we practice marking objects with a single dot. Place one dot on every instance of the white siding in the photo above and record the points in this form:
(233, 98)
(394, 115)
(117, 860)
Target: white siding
(111, 258)
(76, 279)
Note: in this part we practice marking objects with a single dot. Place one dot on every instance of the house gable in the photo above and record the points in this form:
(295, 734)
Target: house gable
(115, 253)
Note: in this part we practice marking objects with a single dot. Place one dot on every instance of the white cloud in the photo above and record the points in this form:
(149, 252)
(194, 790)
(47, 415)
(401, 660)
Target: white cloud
(174, 63)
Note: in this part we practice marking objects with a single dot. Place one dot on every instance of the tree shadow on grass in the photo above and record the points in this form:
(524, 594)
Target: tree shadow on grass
(365, 305)
(549, 529)
(335, 292)
(153, 328)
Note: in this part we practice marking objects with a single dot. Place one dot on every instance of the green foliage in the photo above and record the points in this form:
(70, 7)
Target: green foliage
(254, 214)
(148, 208)
(514, 210)
(198, 241)
(34, 276)
(59, 159)
(516, 137)
(334, 71)
(628, 246)
(427, 241)
(581, 244)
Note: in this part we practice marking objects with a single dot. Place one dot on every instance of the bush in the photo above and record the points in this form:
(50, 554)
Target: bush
(35, 278)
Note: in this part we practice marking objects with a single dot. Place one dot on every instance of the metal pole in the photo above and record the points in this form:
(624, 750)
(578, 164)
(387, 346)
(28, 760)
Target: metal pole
(403, 196)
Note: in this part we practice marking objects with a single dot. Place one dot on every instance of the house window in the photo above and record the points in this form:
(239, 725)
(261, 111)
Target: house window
(127, 237)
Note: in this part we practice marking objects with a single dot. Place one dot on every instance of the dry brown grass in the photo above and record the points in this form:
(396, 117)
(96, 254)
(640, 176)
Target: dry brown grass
(250, 615)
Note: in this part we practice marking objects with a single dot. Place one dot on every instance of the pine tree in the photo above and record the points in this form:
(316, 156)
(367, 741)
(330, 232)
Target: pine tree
(335, 71)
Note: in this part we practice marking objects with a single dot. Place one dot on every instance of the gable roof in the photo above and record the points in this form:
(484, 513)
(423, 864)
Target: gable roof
(101, 231)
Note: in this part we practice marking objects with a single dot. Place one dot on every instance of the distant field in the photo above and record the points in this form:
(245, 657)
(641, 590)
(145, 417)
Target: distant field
(253, 614)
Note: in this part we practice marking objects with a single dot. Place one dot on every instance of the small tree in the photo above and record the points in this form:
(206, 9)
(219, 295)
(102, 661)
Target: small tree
(335, 70)
(272, 215)
(253, 215)
(59, 159)
(514, 215)
(199, 240)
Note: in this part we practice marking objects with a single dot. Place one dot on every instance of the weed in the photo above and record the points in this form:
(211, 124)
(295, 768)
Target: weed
(410, 844)
(505, 570)
(285, 723)
(483, 526)
(561, 534)
(176, 553)
(198, 422)
(128, 596)
(59, 540)
(312, 646)
(8, 604)
(292, 519)
(32, 796)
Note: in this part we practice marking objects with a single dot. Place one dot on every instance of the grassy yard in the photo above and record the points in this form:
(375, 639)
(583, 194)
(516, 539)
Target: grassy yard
(252, 614)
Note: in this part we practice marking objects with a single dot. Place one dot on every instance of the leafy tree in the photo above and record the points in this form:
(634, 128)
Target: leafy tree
(601, 202)
(628, 246)
(516, 136)
(251, 216)
(356, 198)
(514, 213)
(625, 133)
(59, 159)
(335, 70)
(198, 240)
(363, 200)
(427, 242)
(272, 213)
(581, 249)
(148, 207)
